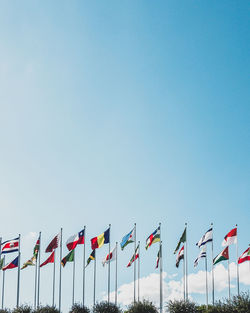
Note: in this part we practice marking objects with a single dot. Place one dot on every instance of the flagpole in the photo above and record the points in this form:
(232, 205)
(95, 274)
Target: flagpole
(206, 280)
(38, 280)
(60, 273)
(1, 249)
(3, 284)
(135, 268)
(160, 246)
(54, 276)
(139, 253)
(184, 278)
(228, 280)
(186, 267)
(212, 247)
(73, 289)
(237, 264)
(94, 275)
(109, 267)
(84, 257)
(116, 245)
(35, 286)
(18, 272)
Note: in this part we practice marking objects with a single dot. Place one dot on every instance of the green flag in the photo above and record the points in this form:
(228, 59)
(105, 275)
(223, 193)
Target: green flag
(91, 257)
(182, 239)
(1, 263)
(68, 258)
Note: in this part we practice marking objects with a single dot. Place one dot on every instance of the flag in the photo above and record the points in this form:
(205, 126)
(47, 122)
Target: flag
(202, 254)
(230, 238)
(10, 245)
(224, 255)
(1, 263)
(99, 241)
(53, 244)
(134, 257)
(110, 256)
(129, 238)
(51, 259)
(182, 240)
(31, 261)
(180, 256)
(153, 238)
(68, 258)
(158, 258)
(75, 240)
(91, 257)
(11, 265)
(36, 248)
(205, 238)
(245, 256)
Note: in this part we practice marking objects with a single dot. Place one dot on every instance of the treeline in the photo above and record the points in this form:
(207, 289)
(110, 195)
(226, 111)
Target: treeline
(238, 304)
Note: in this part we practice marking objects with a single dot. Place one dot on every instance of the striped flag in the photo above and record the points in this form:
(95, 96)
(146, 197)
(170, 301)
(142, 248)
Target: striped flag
(129, 238)
(75, 240)
(202, 254)
(230, 238)
(12, 264)
(10, 245)
(153, 238)
(180, 256)
(245, 256)
(207, 237)
(134, 257)
(99, 241)
(224, 255)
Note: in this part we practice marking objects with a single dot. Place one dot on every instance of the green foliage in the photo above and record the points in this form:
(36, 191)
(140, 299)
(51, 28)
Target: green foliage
(142, 307)
(22, 309)
(46, 309)
(4, 311)
(105, 307)
(181, 306)
(77, 308)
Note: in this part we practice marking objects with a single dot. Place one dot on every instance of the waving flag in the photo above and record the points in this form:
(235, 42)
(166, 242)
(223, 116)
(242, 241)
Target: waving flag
(54, 243)
(153, 238)
(182, 240)
(134, 257)
(91, 257)
(230, 238)
(180, 256)
(245, 256)
(208, 237)
(31, 262)
(110, 256)
(1, 263)
(51, 259)
(158, 258)
(99, 241)
(10, 245)
(202, 254)
(224, 255)
(129, 238)
(68, 258)
(11, 265)
(75, 240)
(36, 248)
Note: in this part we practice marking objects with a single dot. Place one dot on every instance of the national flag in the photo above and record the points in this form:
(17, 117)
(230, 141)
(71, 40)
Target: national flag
(110, 256)
(230, 238)
(10, 245)
(1, 263)
(75, 240)
(11, 265)
(36, 248)
(158, 258)
(134, 257)
(182, 240)
(129, 238)
(202, 254)
(180, 256)
(91, 257)
(245, 256)
(99, 241)
(54, 243)
(68, 258)
(153, 238)
(51, 259)
(31, 261)
(224, 255)
(205, 238)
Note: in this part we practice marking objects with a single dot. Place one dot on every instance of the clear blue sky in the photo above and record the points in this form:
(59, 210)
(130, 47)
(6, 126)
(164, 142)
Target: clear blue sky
(121, 112)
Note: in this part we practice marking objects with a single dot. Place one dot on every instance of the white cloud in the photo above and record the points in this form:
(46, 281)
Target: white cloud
(173, 289)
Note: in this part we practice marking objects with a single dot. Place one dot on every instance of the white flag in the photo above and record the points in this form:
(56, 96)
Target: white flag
(205, 238)
(110, 256)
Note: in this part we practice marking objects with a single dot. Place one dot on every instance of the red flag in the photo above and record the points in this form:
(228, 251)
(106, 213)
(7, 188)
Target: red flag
(53, 244)
(51, 259)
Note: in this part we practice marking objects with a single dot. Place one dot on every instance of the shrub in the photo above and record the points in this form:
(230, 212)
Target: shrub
(4, 311)
(22, 309)
(46, 309)
(105, 307)
(181, 306)
(78, 308)
(142, 307)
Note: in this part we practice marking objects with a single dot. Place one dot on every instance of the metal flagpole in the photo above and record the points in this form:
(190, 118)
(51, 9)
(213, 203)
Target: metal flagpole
(73, 289)
(229, 296)
(60, 273)
(206, 280)
(35, 286)
(160, 270)
(3, 284)
(1, 249)
(184, 278)
(116, 254)
(139, 254)
(135, 267)
(38, 279)
(212, 247)
(18, 272)
(83, 285)
(54, 276)
(186, 266)
(109, 267)
(237, 264)
(94, 276)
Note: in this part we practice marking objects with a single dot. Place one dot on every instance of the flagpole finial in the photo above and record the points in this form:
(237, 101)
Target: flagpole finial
(109, 225)
(212, 224)
(186, 224)
(236, 225)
